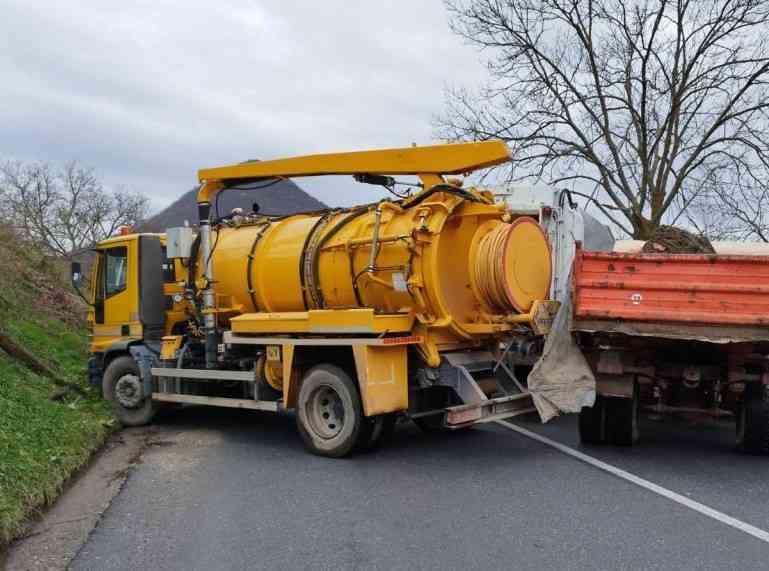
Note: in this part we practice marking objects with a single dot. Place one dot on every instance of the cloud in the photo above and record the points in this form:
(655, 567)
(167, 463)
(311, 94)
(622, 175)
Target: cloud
(148, 92)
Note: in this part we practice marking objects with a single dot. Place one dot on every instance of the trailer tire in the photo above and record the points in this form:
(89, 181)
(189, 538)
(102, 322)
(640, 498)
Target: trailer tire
(621, 428)
(753, 420)
(591, 422)
(329, 413)
(122, 386)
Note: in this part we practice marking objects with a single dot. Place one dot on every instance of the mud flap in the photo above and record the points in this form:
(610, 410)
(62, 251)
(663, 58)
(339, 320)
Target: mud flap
(145, 359)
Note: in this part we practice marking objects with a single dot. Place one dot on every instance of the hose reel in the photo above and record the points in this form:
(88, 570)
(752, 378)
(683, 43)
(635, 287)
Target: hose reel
(511, 266)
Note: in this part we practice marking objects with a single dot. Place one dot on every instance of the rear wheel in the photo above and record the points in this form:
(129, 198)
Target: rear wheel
(329, 412)
(612, 420)
(621, 428)
(621, 421)
(123, 388)
(753, 420)
(591, 423)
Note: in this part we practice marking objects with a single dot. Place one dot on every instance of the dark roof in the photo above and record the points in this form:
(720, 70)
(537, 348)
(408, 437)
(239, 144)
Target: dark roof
(284, 197)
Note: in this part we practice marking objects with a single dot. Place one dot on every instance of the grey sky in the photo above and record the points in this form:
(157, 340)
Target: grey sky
(149, 91)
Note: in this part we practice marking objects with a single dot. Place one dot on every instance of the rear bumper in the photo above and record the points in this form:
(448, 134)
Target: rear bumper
(488, 410)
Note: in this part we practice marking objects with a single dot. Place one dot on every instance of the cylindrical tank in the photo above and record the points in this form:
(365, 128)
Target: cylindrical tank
(459, 265)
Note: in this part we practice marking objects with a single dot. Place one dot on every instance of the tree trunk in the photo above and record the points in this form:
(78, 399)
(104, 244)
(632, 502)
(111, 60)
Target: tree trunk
(643, 228)
(20, 354)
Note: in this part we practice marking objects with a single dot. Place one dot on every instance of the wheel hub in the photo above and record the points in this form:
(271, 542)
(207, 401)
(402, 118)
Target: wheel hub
(326, 412)
(128, 391)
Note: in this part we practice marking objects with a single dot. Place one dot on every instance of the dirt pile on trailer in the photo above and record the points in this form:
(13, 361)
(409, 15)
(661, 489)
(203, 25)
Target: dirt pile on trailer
(672, 240)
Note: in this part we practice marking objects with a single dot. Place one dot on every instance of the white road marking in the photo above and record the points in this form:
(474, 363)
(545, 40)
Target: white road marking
(646, 484)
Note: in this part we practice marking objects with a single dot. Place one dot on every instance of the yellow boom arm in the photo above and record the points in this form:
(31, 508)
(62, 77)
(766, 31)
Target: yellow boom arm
(428, 162)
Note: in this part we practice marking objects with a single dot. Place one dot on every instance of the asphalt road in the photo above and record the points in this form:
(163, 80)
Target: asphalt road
(223, 489)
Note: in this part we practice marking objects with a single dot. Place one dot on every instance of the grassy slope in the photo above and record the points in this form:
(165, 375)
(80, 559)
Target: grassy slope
(42, 442)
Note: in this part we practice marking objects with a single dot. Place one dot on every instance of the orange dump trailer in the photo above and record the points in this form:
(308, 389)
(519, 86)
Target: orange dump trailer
(674, 334)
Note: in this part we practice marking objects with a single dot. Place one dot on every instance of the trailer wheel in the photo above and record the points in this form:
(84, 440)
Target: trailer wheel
(591, 422)
(621, 428)
(753, 420)
(329, 412)
(122, 387)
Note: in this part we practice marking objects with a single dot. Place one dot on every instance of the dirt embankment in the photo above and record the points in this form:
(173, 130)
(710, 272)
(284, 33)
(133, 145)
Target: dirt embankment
(50, 420)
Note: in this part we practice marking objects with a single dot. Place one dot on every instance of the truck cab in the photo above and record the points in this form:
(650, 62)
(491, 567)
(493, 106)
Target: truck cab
(133, 286)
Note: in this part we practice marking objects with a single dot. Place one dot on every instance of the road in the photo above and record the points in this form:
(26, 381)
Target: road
(222, 489)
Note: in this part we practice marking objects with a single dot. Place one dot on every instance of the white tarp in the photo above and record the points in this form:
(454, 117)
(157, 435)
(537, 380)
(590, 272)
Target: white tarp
(561, 380)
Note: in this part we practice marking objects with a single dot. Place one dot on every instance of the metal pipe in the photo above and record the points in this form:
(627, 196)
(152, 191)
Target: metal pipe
(209, 296)
(375, 239)
(355, 242)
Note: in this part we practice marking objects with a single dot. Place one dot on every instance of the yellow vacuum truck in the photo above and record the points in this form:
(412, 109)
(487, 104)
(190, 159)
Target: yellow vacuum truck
(350, 316)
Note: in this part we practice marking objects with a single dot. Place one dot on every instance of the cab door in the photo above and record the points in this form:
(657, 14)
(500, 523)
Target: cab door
(115, 295)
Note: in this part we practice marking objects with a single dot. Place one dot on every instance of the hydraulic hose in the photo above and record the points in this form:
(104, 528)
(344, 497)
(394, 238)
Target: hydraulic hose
(489, 269)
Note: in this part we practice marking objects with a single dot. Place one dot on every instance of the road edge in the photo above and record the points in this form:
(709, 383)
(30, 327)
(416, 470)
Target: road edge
(55, 539)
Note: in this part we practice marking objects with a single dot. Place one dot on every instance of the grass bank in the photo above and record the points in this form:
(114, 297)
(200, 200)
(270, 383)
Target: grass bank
(42, 441)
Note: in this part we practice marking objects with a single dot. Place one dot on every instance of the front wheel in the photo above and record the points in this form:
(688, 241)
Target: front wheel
(122, 387)
(329, 413)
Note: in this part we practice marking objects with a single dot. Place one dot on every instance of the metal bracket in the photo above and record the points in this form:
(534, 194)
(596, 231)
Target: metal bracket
(456, 372)
(457, 377)
(146, 359)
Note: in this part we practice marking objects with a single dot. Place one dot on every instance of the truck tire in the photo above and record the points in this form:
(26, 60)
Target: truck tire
(753, 420)
(621, 428)
(591, 422)
(329, 413)
(122, 387)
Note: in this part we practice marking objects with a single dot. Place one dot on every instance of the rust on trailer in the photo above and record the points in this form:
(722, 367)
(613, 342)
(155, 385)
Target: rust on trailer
(703, 289)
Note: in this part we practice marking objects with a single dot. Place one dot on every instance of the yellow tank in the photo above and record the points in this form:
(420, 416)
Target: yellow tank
(460, 264)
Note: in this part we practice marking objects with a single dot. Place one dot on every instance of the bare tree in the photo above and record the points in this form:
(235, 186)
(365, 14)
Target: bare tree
(646, 107)
(65, 210)
(741, 213)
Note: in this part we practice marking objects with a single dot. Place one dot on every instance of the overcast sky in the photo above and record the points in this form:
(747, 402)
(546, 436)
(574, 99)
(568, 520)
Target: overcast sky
(148, 92)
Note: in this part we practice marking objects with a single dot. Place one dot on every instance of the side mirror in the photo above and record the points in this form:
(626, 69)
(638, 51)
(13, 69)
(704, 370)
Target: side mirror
(76, 273)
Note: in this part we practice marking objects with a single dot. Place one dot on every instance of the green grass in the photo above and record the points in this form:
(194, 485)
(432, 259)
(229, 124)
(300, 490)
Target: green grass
(53, 342)
(42, 442)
